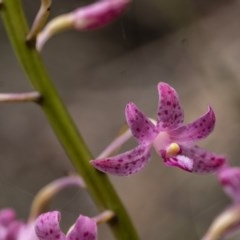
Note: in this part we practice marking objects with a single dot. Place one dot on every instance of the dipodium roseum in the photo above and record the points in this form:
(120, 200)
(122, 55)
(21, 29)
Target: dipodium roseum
(12, 228)
(227, 223)
(9, 224)
(229, 178)
(172, 140)
(47, 228)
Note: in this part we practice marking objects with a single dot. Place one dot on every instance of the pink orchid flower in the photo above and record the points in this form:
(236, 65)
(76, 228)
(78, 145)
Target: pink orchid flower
(227, 223)
(47, 228)
(172, 140)
(46, 225)
(9, 224)
(229, 178)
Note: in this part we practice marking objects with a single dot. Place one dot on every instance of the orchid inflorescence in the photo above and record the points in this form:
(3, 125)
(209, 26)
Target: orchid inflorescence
(174, 141)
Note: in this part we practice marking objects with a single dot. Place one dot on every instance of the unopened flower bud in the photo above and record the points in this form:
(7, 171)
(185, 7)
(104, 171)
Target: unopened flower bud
(85, 18)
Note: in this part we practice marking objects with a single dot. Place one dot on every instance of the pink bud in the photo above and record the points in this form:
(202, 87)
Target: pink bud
(98, 14)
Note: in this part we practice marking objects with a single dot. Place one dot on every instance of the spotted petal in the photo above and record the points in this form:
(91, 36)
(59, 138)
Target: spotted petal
(84, 229)
(203, 160)
(142, 128)
(229, 177)
(196, 159)
(170, 112)
(196, 130)
(126, 163)
(47, 226)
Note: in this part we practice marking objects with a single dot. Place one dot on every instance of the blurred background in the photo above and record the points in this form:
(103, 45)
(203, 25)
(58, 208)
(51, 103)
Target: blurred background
(194, 45)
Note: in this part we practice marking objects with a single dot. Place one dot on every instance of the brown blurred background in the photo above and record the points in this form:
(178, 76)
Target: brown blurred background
(194, 45)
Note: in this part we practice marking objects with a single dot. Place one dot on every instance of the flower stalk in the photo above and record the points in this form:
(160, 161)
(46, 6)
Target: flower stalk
(20, 97)
(45, 195)
(40, 19)
(98, 184)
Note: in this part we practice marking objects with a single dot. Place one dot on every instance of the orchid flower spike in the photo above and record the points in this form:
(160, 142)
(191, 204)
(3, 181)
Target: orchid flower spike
(93, 16)
(172, 140)
(47, 228)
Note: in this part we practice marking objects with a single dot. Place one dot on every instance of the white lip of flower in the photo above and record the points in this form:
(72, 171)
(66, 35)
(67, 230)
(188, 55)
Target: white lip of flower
(161, 141)
(187, 163)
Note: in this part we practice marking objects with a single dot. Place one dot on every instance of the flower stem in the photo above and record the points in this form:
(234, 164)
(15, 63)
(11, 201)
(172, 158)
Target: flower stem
(98, 184)
(20, 97)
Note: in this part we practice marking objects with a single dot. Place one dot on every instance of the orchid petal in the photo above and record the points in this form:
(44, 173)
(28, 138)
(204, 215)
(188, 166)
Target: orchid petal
(7, 216)
(98, 14)
(85, 228)
(47, 226)
(194, 159)
(203, 160)
(126, 163)
(229, 177)
(24, 231)
(170, 112)
(196, 130)
(142, 128)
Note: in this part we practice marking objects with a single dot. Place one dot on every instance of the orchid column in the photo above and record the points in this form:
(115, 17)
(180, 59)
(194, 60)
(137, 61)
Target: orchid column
(98, 184)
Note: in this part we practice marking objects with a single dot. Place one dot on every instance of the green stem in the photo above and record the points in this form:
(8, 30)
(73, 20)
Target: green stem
(98, 184)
